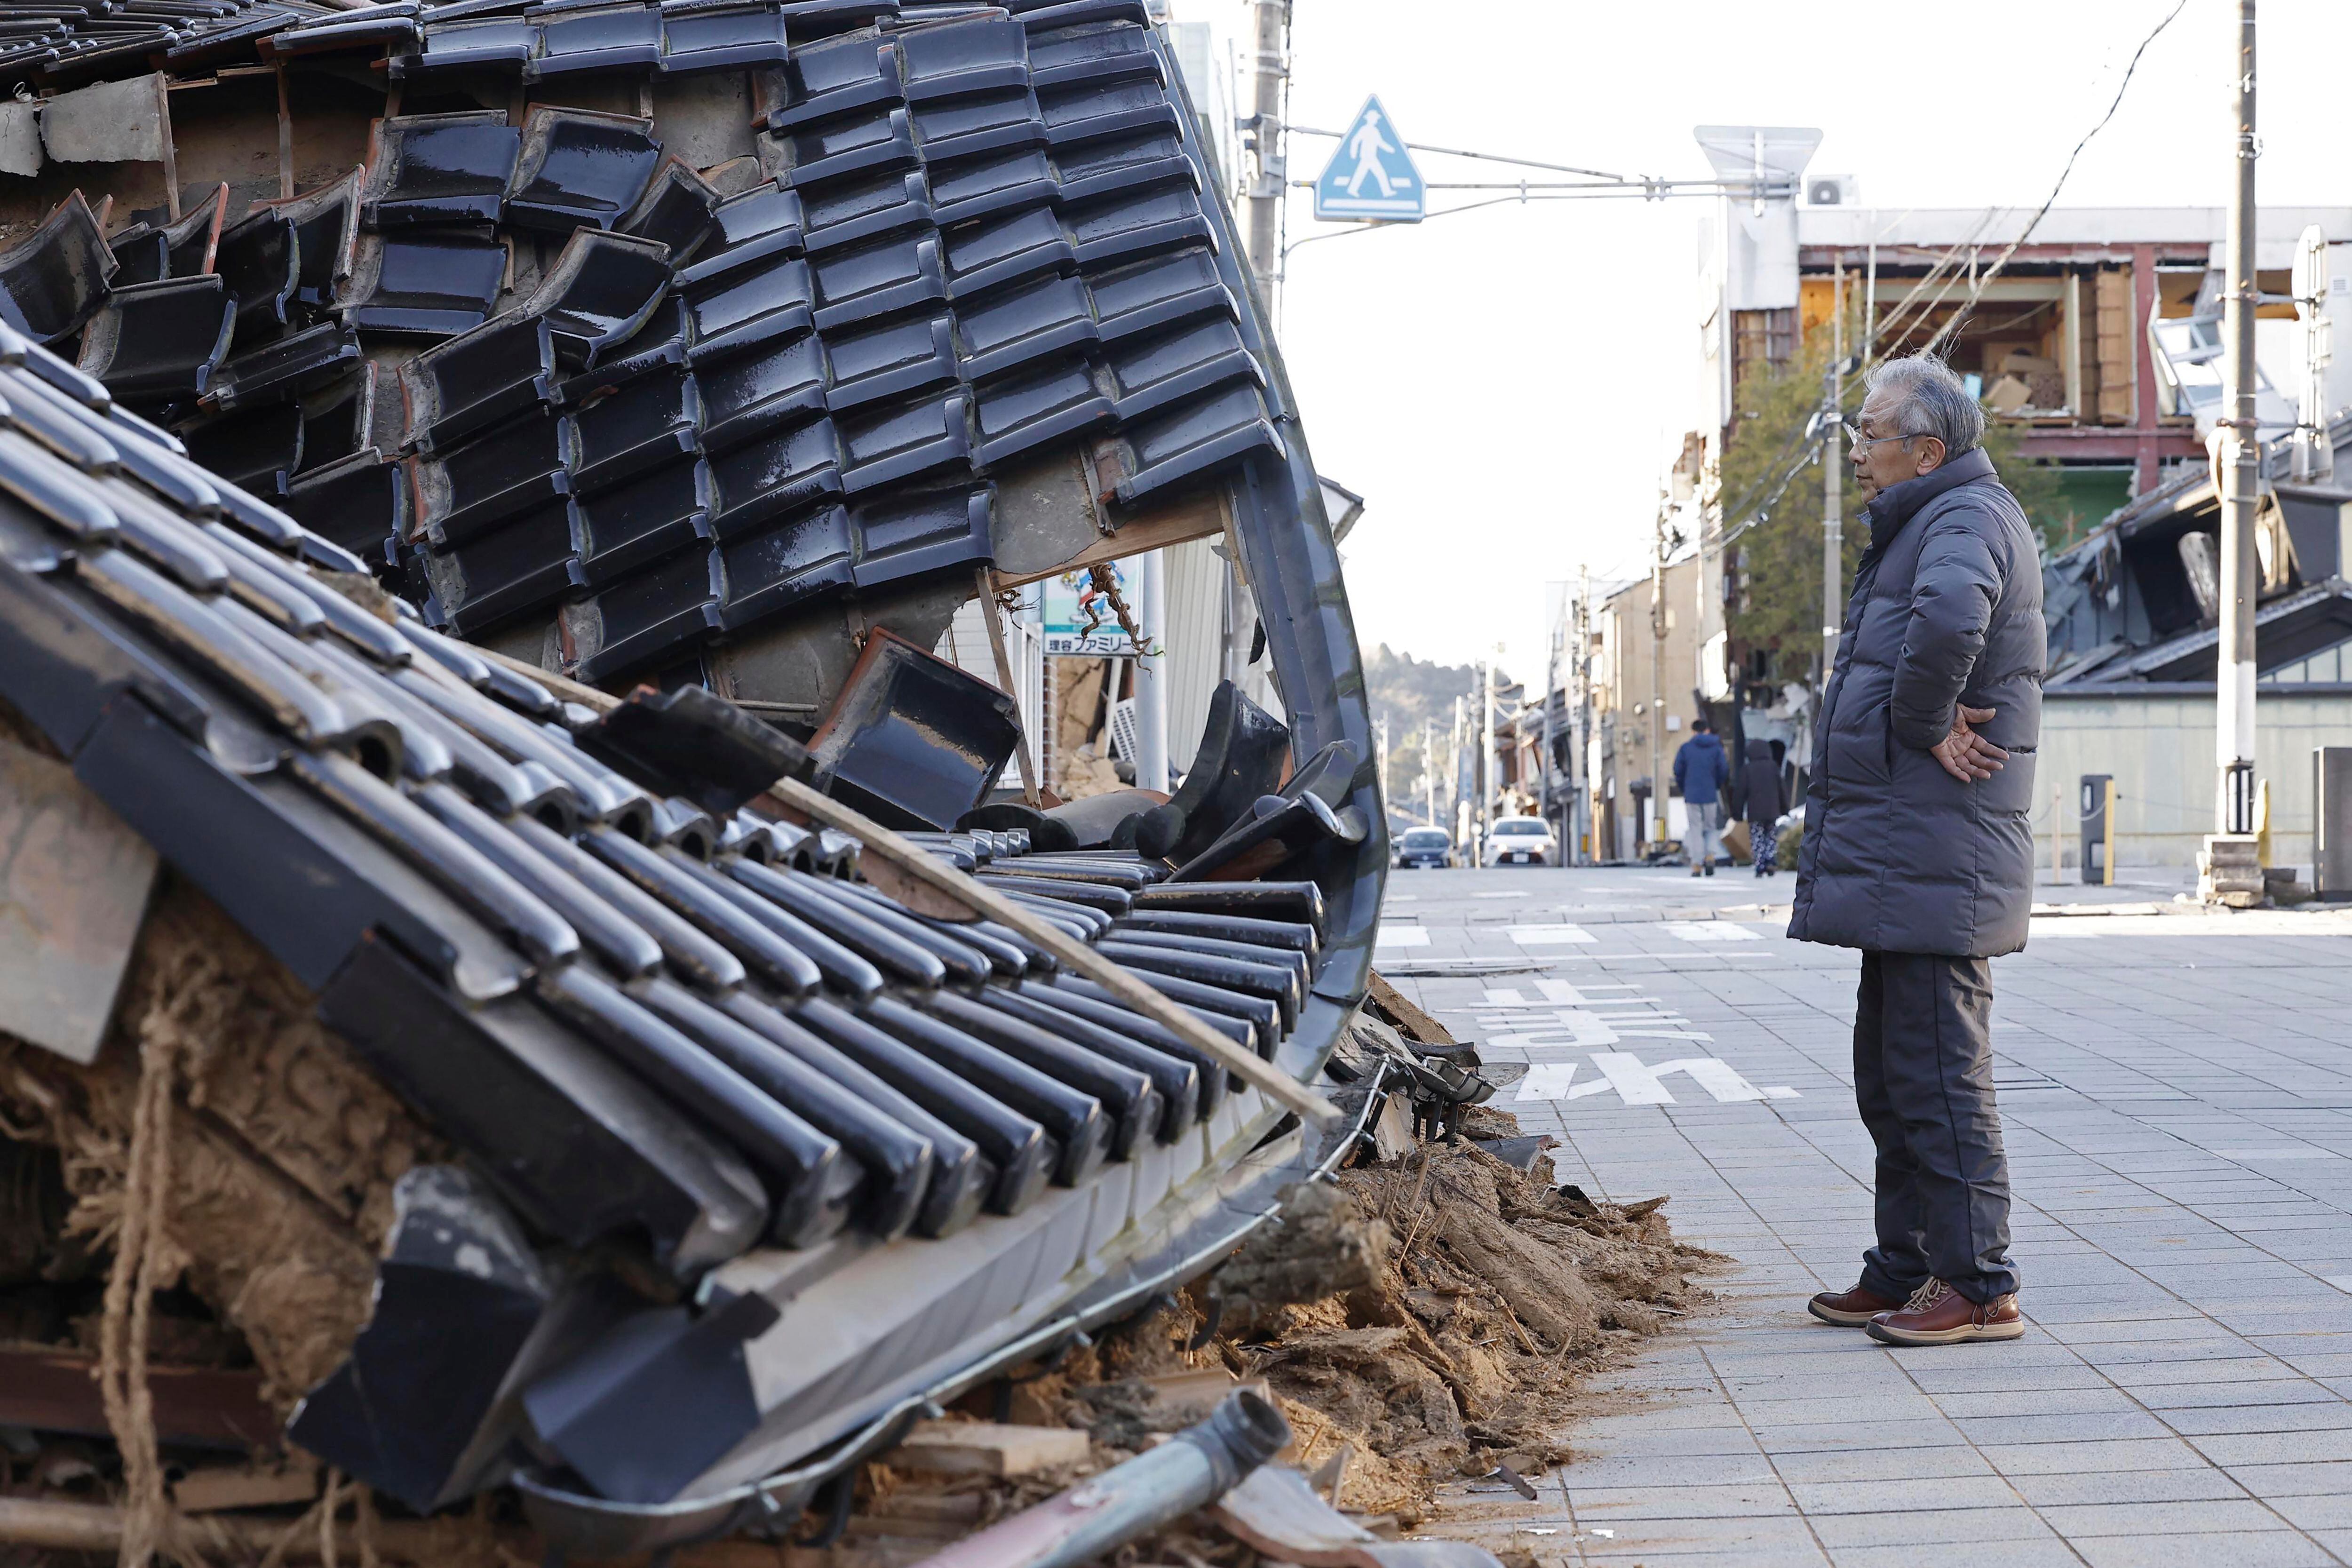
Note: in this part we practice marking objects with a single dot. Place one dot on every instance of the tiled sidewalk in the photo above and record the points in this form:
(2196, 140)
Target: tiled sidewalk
(2179, 1115)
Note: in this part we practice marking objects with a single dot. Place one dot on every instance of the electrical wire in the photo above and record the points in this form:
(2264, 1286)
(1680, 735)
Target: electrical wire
(1952, 326)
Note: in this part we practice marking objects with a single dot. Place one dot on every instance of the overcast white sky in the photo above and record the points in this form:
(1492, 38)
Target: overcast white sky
(1504, 387)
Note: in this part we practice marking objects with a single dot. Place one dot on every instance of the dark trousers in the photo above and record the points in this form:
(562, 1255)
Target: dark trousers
(1923, 1077)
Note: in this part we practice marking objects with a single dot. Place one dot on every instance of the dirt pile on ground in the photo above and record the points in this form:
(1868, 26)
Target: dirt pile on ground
(1416, 1320)
(1496, 1295)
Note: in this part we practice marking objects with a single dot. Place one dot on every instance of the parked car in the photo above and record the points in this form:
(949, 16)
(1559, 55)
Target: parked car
(1525, 841)
(1423, 847)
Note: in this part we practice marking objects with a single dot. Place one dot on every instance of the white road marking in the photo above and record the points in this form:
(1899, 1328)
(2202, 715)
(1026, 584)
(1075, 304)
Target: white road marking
(1549, 935)
(1711, 930)
(1572, 1029)
(1549, 1080)
(1508, 894)
(1567, 995)
(1638, 1085)
(1401, 898)
(1569, 1018)
(1403, 936)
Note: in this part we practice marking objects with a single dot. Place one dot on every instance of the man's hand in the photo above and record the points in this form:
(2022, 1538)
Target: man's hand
(1967, 755)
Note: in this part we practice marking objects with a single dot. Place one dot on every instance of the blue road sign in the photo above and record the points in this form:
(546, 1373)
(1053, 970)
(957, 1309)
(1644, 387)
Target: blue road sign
(1371, 176)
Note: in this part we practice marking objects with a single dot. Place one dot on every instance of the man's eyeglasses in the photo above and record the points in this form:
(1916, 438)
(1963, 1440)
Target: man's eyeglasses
(1854, 437)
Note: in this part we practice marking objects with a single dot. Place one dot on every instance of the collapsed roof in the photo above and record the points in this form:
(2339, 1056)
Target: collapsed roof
(713, 344)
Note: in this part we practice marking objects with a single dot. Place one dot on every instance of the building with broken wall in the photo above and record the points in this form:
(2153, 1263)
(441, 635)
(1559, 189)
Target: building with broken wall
(2096, 340)
(515, 1090)
(2134, 612)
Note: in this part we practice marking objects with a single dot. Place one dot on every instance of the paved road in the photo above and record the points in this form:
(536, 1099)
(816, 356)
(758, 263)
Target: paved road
(2178, 1096)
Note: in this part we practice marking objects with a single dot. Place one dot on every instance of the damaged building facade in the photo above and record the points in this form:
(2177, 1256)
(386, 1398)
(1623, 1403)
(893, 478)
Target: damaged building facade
(481, 489)
(2094, 342)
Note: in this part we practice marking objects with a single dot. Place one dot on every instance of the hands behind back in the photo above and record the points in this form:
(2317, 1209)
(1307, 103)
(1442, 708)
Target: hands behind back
(1964, 754)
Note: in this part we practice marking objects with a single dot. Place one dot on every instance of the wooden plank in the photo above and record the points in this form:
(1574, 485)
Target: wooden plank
(887, 848)
(1198, 517)
(214, 1488)
(73, 891)
(285, 137)
(994, 613)
(1409, 1018)
(987, 1448)
(52, 1390)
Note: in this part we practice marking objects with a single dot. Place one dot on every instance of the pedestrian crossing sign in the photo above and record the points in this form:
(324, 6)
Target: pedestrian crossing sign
(1371, 176)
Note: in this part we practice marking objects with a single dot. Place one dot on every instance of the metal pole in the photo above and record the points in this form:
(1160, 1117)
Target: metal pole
(1580, 666)
(1151, 677)
(1658, 679)
(1453, 801)
(1551, 680)
(1486, 755)
(1429, 771)
(2108, 870)
(2057, 816)
(2234, 731)
(1832, 486)
(1268, 70)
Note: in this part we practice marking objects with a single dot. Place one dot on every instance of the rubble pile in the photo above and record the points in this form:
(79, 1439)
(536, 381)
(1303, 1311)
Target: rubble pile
(1497, 1293)
(1416, 1319)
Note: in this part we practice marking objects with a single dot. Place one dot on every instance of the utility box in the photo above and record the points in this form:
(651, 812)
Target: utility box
(2331, 824)
(2094, 827)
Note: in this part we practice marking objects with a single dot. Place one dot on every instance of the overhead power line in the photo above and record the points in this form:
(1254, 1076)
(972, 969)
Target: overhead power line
(1976, 292)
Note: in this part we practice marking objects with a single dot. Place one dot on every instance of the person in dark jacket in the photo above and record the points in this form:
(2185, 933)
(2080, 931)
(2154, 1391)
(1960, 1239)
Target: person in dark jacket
(1701, 773)
(1767, 799)
(1918, 849)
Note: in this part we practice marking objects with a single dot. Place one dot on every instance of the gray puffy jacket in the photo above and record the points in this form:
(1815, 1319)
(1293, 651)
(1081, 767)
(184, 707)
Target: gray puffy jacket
(1900, 857)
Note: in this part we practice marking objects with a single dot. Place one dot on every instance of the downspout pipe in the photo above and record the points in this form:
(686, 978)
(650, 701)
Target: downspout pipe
(1098, 1516)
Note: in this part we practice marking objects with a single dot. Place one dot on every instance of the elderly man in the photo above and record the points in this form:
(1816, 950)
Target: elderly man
(1919, 849)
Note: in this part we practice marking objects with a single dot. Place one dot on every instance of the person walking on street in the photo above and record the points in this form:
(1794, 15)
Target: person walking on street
(1768, 798)
(1703, 772)
(1919, 850)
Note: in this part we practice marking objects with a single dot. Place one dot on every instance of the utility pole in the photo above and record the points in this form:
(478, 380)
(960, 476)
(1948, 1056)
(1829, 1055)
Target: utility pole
(1429, 771)
(1269, 70)
(1833, 483)
(2234, 730)
(1482, 776)
(1658, 678)
(1453, 801)
(1580, 673)
(1552, 680)
(1152, 765)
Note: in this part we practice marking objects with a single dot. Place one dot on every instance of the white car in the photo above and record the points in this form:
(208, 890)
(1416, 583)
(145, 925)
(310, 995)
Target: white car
(1526, 841)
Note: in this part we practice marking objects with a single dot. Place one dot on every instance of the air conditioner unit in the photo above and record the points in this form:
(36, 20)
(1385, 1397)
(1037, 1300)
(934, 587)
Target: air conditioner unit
(1833, 190)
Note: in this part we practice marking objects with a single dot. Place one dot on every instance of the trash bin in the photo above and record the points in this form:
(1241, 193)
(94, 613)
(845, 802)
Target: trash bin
(2331, 822)
(2095, 828)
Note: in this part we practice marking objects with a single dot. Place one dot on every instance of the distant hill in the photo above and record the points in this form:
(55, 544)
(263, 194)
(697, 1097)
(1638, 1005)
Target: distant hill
(1406, 691)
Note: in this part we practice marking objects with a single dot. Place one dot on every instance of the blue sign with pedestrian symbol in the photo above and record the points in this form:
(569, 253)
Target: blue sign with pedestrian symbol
(1371, 176)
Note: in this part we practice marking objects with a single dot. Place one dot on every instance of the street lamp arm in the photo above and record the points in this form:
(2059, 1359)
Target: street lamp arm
(1463, 152)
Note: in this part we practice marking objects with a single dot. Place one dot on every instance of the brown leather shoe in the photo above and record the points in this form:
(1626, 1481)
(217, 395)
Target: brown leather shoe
(1849, 1308)
(1939, 1315)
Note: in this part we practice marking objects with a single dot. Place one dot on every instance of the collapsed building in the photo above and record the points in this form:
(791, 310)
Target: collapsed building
(563, 1102)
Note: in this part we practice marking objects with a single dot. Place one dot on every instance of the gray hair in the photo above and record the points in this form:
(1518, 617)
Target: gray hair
(1929, 400)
